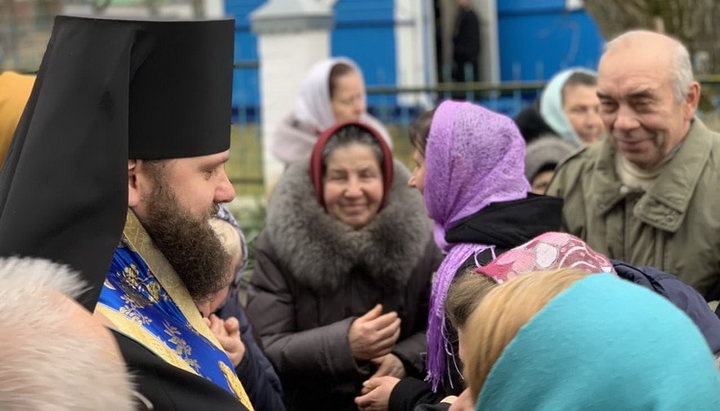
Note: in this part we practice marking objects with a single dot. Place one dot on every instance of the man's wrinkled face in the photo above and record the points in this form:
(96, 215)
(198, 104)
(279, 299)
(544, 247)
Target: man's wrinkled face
(643, 117)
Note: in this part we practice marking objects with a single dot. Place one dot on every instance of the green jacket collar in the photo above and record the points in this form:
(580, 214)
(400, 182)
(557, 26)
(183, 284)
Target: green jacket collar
(665, 204)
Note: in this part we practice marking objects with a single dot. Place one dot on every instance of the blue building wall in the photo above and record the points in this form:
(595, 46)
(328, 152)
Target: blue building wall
(537, 38)
(246, 84)
(363, 30)
(540, 38)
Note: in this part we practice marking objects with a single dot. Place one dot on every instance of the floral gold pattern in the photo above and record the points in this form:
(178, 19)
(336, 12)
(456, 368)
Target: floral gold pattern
(181, 346)
(147, 301)
(135, 331)
(131, 310)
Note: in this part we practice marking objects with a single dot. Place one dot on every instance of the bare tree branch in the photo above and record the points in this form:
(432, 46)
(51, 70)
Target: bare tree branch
(692, 22)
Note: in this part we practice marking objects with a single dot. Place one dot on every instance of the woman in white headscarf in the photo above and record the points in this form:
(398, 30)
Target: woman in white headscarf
(333, 92)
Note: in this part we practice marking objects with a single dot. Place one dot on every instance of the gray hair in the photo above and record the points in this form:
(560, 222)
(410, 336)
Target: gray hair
(47, 361)
(681, 70)
(349, 135)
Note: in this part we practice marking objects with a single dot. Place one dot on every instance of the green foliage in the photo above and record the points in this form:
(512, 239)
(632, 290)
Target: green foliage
(251, 217)
(245, 165)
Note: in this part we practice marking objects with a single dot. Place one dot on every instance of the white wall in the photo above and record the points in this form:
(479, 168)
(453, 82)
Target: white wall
(214, 8)
(285, 59)
(490, 45)
(414, 46)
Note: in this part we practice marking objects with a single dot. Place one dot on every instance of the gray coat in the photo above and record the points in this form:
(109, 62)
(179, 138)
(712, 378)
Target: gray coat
(314, 275)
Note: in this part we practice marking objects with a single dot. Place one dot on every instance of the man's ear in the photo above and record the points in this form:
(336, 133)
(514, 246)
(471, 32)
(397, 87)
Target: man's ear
(692, 99)
(133, 183)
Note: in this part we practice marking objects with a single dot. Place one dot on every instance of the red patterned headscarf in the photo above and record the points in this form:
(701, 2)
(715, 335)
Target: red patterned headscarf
(547, 251)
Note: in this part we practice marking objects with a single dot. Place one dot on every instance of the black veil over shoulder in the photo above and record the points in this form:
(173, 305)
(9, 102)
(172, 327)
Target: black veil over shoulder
(108, 91)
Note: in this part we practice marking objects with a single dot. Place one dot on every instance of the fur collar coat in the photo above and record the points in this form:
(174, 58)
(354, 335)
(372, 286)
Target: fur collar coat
(319, 250)
(315, 275)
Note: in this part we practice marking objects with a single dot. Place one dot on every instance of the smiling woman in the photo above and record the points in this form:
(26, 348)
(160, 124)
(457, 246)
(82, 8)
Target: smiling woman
(353, 184)
(342, 271)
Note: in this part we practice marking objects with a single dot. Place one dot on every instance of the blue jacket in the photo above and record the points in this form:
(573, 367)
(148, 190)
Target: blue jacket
(682, 295)
(254, 371)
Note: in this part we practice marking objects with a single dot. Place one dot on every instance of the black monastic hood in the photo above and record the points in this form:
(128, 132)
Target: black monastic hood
(107, 91)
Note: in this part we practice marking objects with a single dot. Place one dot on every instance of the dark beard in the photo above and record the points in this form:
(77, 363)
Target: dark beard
(188, 242)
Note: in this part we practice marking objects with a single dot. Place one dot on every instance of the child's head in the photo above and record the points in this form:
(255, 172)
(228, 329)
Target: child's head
(464, 295)
(463, 298)
(231, 241)
(500, 315)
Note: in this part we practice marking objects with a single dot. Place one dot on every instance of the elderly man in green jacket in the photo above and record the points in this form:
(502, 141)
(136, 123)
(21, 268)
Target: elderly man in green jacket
(648, 194)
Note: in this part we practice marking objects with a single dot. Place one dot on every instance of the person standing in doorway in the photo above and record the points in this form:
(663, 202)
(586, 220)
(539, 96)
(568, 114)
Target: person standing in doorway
(466, 44)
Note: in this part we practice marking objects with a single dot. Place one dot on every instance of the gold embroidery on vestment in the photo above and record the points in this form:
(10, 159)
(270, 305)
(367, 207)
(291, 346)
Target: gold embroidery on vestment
(181, 346)
(136, 331)
(131, 311)
(235, 384)
(137, 240)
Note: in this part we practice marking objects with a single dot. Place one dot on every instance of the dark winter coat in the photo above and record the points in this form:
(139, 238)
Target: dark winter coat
(506, 224)
(314, 276)
(255, 371)
(168, 387)
(682, 295)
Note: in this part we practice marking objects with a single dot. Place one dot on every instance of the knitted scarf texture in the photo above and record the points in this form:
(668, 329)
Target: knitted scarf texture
(474, 157)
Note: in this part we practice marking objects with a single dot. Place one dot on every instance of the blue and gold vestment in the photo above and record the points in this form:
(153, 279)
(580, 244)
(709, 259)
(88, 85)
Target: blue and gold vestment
(146, 300)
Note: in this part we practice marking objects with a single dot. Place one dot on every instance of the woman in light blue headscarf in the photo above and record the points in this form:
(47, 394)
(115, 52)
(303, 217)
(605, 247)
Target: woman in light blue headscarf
(565, 340)
(570, 106)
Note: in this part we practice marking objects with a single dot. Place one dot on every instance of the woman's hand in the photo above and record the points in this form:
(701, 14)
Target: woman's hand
(376, 393)
(388, 365)
(374, 335)
(228, 334)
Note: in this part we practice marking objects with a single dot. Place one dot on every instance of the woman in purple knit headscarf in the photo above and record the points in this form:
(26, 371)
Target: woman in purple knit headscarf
(470, 165)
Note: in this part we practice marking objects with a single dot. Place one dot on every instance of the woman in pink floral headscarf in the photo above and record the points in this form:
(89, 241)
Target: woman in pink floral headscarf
(546, 252)
(552, 251)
